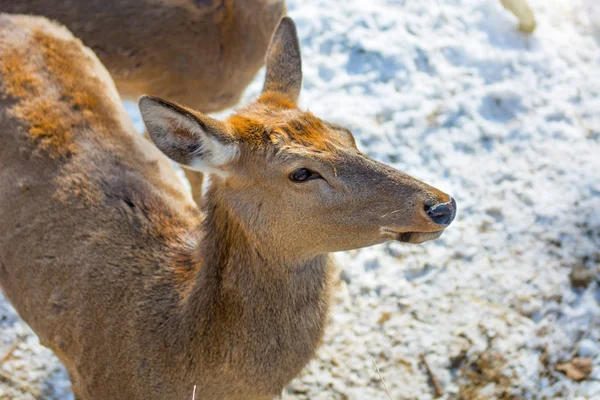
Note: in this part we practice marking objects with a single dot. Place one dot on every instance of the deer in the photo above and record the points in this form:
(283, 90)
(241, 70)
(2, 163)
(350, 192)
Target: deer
(202, 53)
(198, 52)
(140, 293)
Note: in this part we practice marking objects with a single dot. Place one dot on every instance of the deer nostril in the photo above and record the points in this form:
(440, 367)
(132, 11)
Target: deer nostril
(442, 214)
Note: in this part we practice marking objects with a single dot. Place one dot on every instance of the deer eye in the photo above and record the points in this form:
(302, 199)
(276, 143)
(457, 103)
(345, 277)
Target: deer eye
(303, 175)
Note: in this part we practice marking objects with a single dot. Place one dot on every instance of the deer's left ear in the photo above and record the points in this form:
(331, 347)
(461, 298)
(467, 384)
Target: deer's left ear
(189, 138)
(284, 63)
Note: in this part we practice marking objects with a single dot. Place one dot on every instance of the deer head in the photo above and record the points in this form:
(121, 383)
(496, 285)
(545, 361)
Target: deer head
(296, 184)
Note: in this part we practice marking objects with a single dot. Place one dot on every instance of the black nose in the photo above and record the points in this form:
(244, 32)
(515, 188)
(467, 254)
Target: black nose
(442, 214)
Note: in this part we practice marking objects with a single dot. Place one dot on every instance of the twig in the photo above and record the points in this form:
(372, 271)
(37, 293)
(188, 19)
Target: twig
(11, 351)
(194, 394)
(382, 381)
(586, 334)
(437, 387)
(24, 386)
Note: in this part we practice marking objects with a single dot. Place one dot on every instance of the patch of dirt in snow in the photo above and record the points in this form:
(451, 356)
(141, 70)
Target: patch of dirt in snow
(450, 92)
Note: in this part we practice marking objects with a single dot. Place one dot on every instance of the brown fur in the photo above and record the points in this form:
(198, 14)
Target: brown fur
(197, 52)
(110, 263)
(201, 53)
(51, 119)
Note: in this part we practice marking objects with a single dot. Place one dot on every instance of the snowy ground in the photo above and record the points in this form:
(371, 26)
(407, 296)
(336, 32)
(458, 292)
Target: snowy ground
(450, 92)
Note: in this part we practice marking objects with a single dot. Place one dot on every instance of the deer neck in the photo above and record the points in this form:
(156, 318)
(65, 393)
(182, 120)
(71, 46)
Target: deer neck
(262, 316)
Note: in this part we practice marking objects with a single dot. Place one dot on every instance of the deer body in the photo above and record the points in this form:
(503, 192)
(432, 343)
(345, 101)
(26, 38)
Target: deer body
(110, 262)
(197, 52)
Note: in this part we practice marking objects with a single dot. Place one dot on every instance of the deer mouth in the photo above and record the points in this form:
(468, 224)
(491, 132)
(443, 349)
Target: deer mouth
(417, 237)
(410, 237)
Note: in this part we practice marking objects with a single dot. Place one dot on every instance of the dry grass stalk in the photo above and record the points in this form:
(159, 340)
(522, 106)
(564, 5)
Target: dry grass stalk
(382, 381)
(435, 382)
(11, 351)
(22, 385)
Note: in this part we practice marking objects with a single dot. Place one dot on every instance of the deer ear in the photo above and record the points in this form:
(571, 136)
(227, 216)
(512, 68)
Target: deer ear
(189, 138)
(284, 63)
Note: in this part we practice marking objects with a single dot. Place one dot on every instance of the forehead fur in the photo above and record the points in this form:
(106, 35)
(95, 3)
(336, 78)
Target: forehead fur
(275, 122)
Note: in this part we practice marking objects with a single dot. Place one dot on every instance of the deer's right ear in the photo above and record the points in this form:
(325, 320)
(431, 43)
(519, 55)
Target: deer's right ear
(284, 63)
(192, 140)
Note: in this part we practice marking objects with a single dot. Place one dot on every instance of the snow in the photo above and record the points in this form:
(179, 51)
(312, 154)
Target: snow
(450, 92)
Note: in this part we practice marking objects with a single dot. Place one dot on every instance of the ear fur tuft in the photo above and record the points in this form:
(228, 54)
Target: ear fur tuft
(191, 139)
